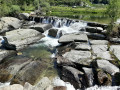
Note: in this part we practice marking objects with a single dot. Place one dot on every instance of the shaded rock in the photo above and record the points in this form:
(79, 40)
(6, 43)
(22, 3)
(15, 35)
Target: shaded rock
(95, 24)
(117, 78)
(74, 76)
(9, 23)
(73, 37)
(83, 47)
(53, 32)
(60, 88)
(96, 36)
(10, 67)
(24, 16)
(77, 56)
(12, 87)
(94, 29)
(107, 66)
(23, 37)
(115, 40)
(31, 73)
(98, 42)
(89, 75)
(103, 78)
(5, 53)
(41, 27)
(115, 49)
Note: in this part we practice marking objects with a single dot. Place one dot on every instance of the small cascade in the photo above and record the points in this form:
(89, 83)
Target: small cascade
(56, 22)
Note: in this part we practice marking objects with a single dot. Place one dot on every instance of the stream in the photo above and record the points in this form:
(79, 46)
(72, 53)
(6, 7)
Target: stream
(46, 49)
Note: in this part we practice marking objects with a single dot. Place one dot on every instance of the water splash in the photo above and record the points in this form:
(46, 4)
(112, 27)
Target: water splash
(58, 82)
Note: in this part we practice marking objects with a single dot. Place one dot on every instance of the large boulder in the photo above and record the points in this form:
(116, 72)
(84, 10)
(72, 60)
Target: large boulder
(9, 23)
(77, 56)
(10, 67)
(23, 37)
(41, 27)
(31, 73)
(53, 32)
(74, 76)
(73, 37)
(24, 16)
(107, 66)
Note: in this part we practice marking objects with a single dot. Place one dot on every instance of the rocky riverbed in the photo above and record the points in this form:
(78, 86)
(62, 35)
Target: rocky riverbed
(81, 55)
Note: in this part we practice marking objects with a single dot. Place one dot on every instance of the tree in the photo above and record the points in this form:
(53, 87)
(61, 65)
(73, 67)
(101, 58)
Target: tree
(113, 13)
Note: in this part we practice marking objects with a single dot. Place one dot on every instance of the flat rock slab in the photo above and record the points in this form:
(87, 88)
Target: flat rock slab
(73, 37)
(77, 56)
(99, 42)
(115, 49)
(41, 27)
(83, 47)
(23, 37)
(107, 66)
(104, 55)
(99, 48)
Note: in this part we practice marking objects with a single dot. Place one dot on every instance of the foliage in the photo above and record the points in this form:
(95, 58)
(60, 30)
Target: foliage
(113, 13)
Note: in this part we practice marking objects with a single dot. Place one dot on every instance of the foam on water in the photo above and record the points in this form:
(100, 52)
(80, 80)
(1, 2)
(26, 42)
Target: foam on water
(4, 84)
(58, 82)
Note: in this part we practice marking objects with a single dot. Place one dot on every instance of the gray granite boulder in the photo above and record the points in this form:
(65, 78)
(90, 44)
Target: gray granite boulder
(41, 27)
(9, 23)
(23, 37)
(73, 37)
(74, 76)
(77, 56)
(53, 32)
(107, 66)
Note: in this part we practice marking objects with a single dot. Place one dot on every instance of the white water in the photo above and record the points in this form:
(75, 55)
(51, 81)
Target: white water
(4, 84)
